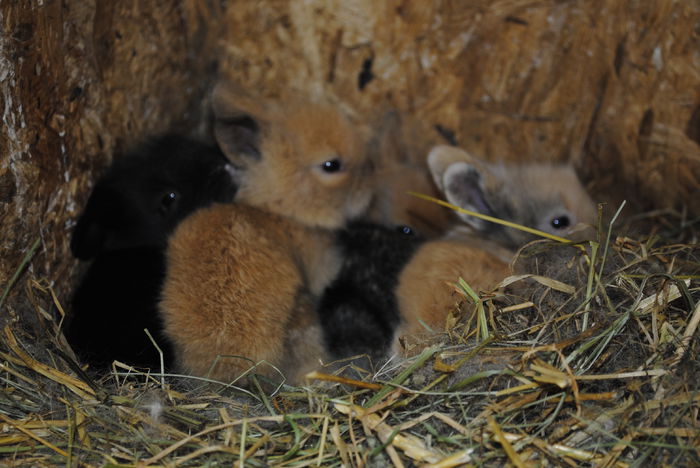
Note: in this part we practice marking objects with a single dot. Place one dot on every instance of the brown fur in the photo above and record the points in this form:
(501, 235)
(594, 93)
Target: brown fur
(294, 141)
(477, 251)
(399, 149)
(237, 282)
(426, 291)
(243, 279)
(393, 204)
(303, 340)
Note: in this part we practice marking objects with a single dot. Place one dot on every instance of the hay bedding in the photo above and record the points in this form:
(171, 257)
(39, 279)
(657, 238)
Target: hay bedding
(587, 356)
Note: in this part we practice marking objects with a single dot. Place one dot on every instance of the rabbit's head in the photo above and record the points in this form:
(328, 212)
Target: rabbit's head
(305, 160)
(365, 242)
(546, 197)
(146, 193)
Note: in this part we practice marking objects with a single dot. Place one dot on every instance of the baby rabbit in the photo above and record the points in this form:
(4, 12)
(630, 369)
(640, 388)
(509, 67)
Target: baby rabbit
(242, 279)
(115, 301)
(358, 310)
(544, 196)
(302, 160)
(399, 149)
(239, 281)
(146, 193)
(124, 227)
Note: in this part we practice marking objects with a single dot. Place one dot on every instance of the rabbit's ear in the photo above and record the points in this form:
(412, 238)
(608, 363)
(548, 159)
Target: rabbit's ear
(237, 126)
(464, 186)
(441, 157)
(463, 179)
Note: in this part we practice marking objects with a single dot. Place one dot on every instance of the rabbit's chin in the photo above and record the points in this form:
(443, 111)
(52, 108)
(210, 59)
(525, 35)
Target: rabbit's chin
(358, 205)
(327, 215)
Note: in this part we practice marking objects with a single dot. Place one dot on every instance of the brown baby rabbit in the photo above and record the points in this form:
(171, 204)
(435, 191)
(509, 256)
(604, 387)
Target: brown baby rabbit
(303, 160)
(242, 278)
(238, 282)
(399, 147)
(548, 197)
(543, 196)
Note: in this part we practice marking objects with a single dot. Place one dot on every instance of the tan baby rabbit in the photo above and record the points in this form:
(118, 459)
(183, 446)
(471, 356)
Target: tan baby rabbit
(399, 146)
(242, 278)
(303, 160)
(543, 196)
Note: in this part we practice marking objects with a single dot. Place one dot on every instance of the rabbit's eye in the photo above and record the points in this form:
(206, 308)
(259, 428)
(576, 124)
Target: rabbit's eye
(406, 230)
(560, 222)
(332, 165)
(168, 201)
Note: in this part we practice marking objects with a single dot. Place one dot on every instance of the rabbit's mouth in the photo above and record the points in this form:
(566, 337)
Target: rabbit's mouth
(358, 204)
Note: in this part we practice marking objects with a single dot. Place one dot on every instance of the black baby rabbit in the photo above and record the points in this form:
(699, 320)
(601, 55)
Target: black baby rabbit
(145, 194)
(358, 310)
(113, 304)
(125, 226)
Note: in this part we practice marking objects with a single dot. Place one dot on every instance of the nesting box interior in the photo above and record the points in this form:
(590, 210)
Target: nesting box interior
(612, 86)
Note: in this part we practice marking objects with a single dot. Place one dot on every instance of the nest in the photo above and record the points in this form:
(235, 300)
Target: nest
(586, 356)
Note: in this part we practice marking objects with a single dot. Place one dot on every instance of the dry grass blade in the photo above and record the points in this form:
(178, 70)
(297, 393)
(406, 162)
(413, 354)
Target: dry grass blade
(500, 437)
(548, 282)
(342, 380)
(19, 427)
(668, 294)
(502, 222)
(410, 445)
(77, 386)
(23, 264)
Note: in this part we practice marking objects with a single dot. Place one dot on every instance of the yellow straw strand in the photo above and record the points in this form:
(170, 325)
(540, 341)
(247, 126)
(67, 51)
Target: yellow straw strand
(520, 227)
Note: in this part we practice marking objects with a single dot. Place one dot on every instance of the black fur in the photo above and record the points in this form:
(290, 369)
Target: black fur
(125, 227)
(115, 301)
(358, 310)
(130, 206)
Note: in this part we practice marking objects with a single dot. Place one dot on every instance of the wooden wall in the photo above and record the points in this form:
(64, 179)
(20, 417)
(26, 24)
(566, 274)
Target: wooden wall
(79, 80)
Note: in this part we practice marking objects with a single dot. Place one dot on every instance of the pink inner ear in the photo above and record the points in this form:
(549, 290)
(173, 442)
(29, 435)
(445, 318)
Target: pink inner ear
(463, 187)
(238, 137)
